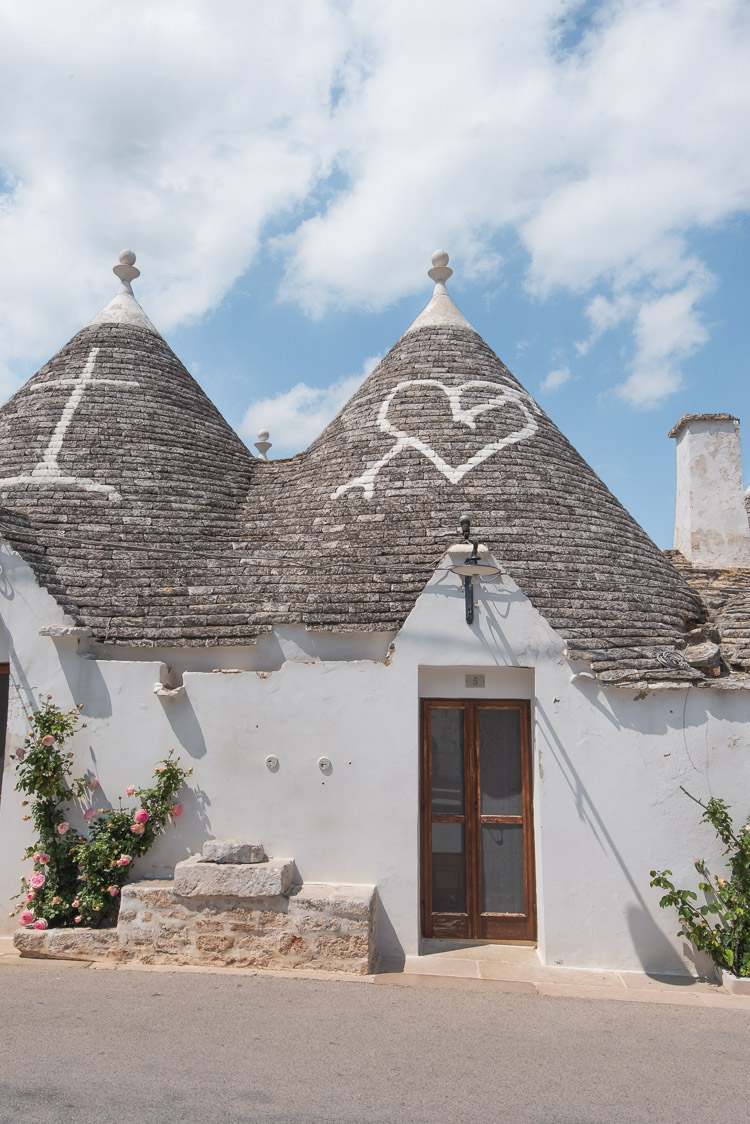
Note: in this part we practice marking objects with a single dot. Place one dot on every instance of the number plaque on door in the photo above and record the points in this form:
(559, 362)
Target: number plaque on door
(477, 832)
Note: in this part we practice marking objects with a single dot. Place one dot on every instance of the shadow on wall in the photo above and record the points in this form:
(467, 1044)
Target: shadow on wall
(688, 707)
(386, 937)
(492, 607)
(656, 954)
(193, 828)
(180, 841)
(84, 679)
(185, 725)
(652, 947)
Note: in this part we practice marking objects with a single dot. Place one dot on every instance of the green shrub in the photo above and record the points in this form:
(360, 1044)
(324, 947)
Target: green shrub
(721, 925)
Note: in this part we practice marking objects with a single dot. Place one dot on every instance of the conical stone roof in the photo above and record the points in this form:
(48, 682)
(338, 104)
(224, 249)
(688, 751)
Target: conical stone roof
(150, 521)
(111, 456)
(442, 427)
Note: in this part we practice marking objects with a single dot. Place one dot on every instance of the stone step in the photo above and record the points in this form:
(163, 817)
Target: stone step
(232, 851)
(195, 878)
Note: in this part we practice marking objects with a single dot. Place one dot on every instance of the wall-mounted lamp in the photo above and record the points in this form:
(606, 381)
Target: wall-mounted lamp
(472, 567)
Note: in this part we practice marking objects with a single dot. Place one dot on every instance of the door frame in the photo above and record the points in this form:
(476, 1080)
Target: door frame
(479, 926)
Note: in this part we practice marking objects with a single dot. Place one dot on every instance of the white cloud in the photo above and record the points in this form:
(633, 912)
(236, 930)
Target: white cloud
(667, 330)
(555, 379)
(353, 139)
(605, 314)
(296, 417)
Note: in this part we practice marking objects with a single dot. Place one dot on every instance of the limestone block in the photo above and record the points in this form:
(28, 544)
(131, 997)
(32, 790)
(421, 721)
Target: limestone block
(335, 899)
(316, 922)
(171, 940)
(259, 917)
(214, 943)
(69, 944)
(706, 657)
(291, 943)
(153, 893)
(193, 878)
(232, 851)
(140, 938)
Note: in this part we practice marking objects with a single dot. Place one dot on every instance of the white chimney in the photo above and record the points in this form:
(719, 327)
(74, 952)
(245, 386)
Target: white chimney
(710, 524)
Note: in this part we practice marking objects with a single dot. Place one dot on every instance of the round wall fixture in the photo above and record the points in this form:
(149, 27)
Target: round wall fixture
(325, 764)
(272, 762)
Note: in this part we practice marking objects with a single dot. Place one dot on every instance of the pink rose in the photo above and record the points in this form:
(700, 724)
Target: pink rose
(48, 740)
(137, 828)
(141, 816)
(40, 924)
(130, 790)
(26, 917)
(89, 814)
(74, 904)
(20, 754)
(63, 827)
(124, 860)
(37, 881)
(30, 896)
(177, 810)
(76, 920)
(159, 769)
(114, 891)
(25, 818)
(94, 783)
(43, 858)
(56, 900)
(37, 856)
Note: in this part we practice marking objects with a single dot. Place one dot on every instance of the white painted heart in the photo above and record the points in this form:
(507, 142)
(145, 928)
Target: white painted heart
(500, 396)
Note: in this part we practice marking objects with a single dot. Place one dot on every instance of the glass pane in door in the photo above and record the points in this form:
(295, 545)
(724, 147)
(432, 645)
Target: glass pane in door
(502, 868)
(447, 735)
(448, 868)
(500, 762)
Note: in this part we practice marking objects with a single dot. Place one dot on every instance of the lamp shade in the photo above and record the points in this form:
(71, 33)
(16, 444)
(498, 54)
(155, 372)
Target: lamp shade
(478, 569)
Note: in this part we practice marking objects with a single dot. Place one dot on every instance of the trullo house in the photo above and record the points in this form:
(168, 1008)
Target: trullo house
(417, 768)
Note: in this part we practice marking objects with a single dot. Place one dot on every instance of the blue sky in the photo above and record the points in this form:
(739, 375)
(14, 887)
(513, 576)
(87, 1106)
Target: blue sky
(285, 171)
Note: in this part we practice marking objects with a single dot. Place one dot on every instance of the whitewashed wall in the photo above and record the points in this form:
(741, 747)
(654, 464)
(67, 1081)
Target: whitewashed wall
(608, 765)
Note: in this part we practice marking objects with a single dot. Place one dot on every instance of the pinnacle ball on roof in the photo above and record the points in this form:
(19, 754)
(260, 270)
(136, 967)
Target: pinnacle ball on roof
(440, 271)
(126, 270)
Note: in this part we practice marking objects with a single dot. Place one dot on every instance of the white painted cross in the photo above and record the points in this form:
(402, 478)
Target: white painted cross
(48, 471)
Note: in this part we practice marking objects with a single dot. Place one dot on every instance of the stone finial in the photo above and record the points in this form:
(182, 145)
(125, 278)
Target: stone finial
(126, 270)
(441, 312)
(440, 270)
(263, 444)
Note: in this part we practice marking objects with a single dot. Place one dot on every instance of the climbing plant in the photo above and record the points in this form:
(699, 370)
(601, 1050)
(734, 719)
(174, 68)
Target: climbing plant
(77, 876)
(720, 925)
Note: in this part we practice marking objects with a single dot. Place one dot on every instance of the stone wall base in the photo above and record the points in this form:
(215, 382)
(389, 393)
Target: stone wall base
(324, 926)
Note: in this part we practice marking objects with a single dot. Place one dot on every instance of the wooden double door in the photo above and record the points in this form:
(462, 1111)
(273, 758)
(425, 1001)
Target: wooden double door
(477, 831)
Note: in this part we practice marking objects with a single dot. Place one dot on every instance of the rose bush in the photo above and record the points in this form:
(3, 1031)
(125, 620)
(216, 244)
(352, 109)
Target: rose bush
(77, 878)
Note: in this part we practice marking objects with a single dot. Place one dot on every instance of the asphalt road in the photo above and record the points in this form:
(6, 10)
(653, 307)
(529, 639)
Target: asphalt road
(93, 1046)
